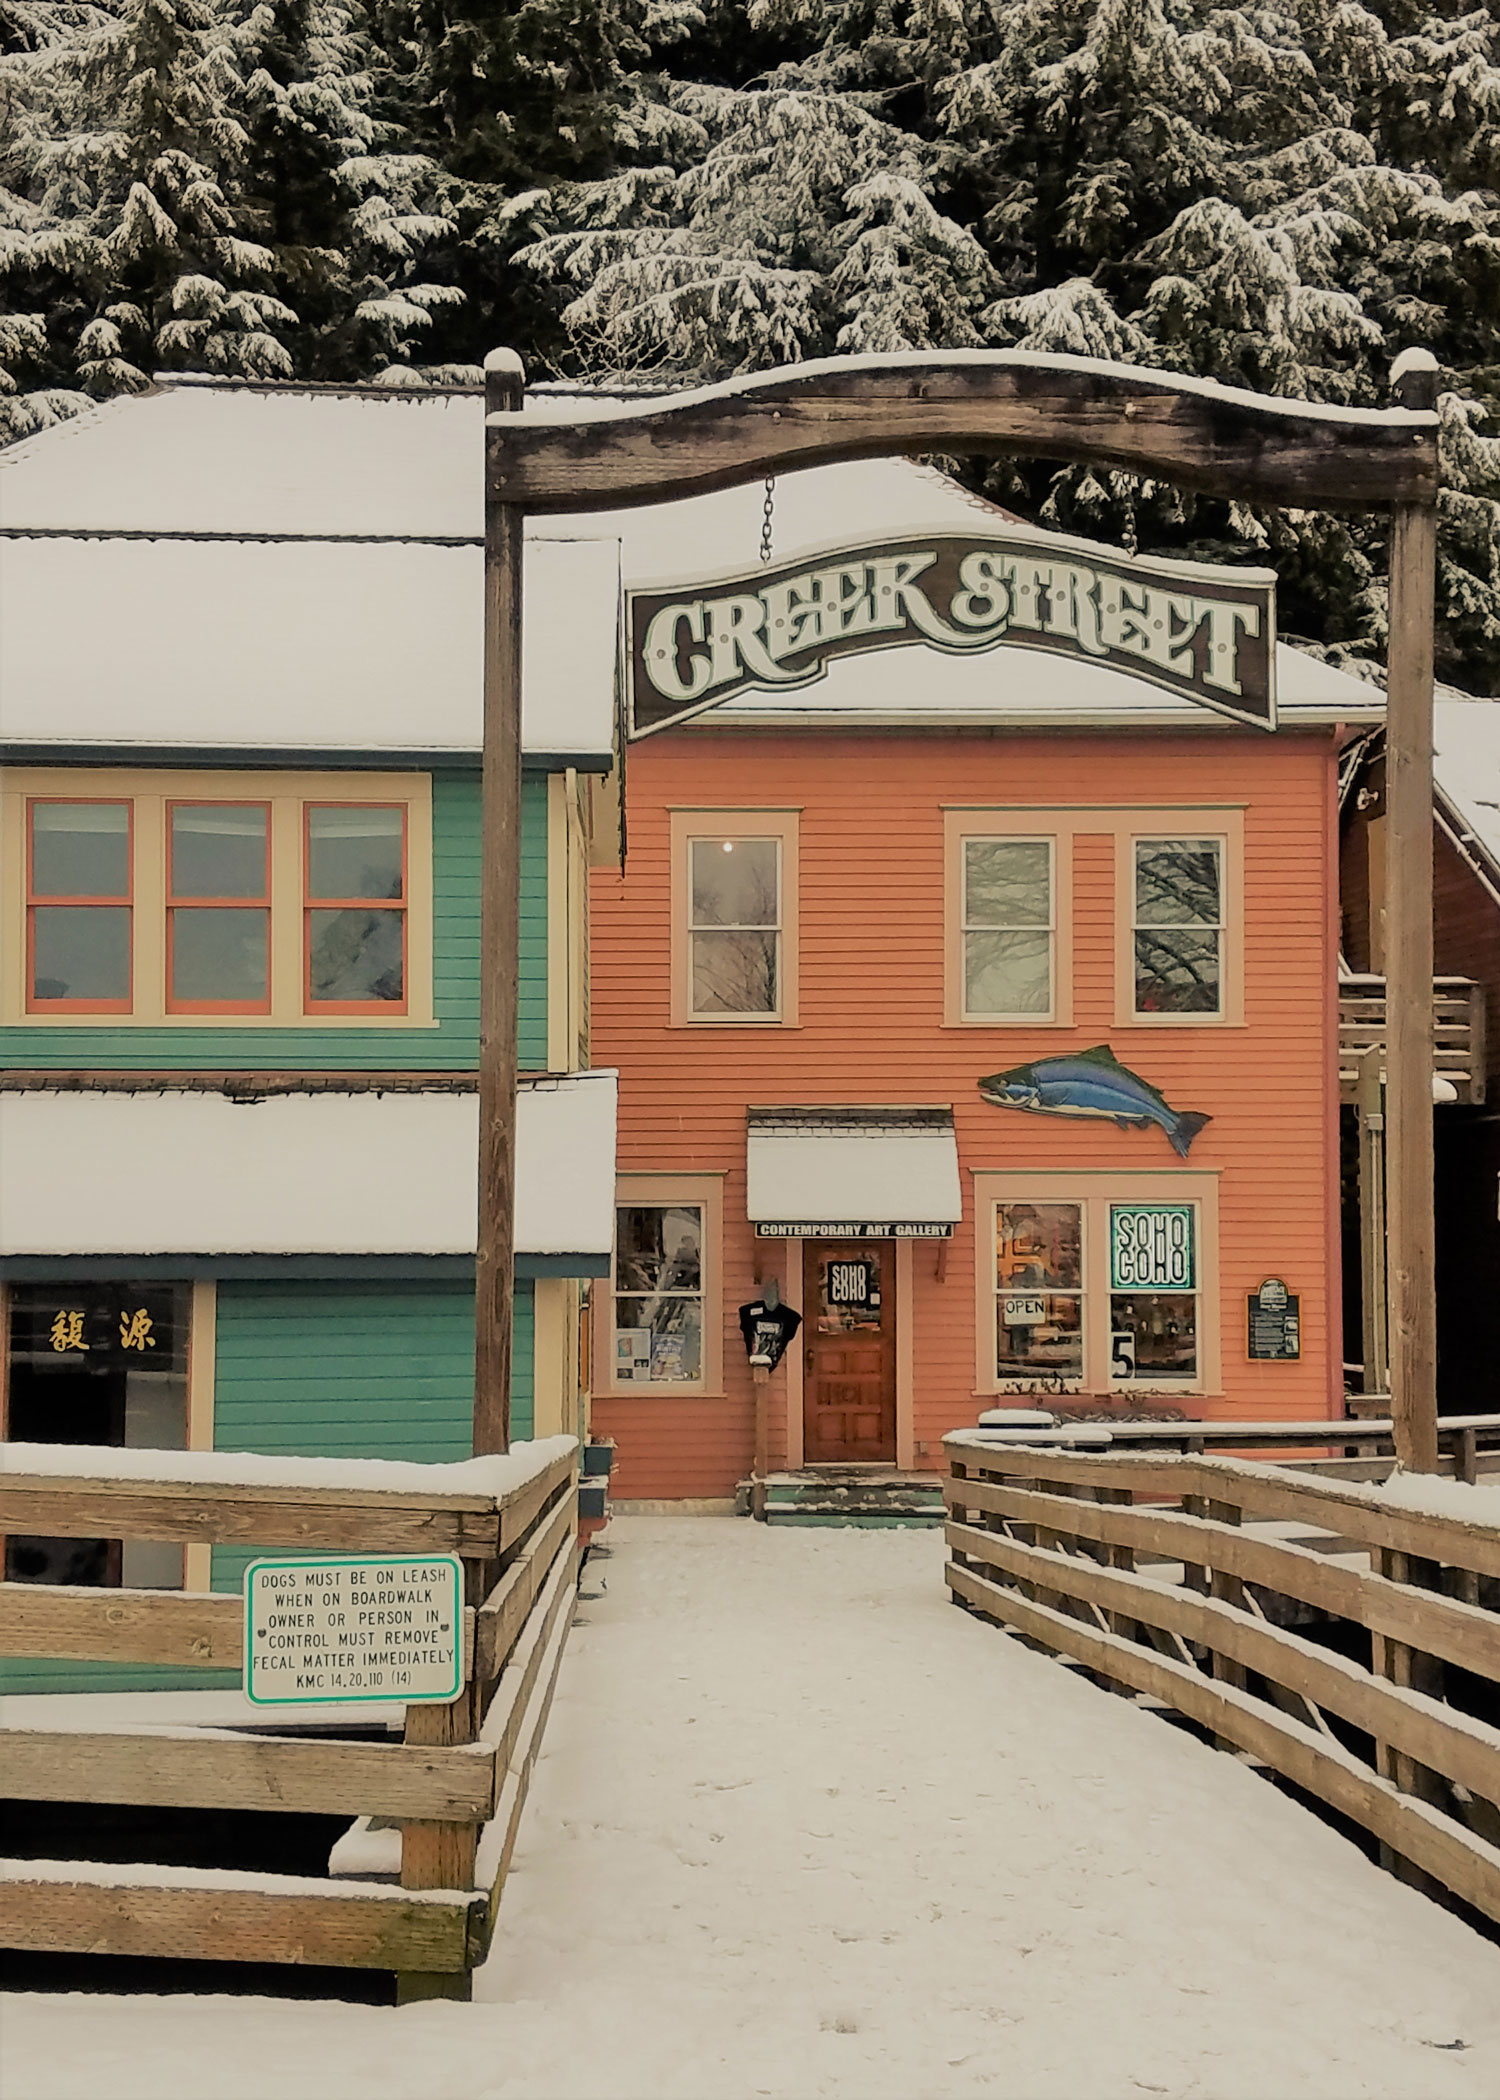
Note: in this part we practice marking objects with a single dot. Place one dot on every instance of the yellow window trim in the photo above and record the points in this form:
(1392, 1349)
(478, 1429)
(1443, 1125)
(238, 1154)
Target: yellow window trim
(1095, 1190)
(707, 1191)
(151, 791)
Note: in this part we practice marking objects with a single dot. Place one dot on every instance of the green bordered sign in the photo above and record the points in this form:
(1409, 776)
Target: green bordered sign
(1152, 1247)
(384, 1626)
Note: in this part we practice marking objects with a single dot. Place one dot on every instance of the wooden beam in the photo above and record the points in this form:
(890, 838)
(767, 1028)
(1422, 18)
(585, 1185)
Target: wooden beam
(1412, 1828)
(98, 1625)
(499, 927)
(274, 1518)
(506, 1717)
(1192, 432)
(1410, 1227)
(1457, 1631)
(209, 1768)
(195, 1913)
(1370, 1110)
(524, 1507)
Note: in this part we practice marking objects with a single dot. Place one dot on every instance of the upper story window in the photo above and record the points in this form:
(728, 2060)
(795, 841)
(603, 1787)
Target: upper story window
(1178, 925)
(203, 897)
(356, 907)
(79, 906)
(219, 907)
(1008, 928)
(734, 898)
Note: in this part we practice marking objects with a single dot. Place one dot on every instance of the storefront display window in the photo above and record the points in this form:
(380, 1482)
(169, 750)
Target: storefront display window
(1007, 927)
(1179, 925)
(1093, 1290)
(658, 1329)
(97, 1364)
(1039, 1282)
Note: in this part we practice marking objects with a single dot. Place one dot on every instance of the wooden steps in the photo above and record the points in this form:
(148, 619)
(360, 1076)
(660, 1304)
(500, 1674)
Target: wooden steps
(873, 1497)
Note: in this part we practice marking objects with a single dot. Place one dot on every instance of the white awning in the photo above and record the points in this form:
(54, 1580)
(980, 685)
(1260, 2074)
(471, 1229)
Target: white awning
(317, 1174)
(851, 1173)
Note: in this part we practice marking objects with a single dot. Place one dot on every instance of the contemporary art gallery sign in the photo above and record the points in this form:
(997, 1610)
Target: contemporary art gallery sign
(1206, 634)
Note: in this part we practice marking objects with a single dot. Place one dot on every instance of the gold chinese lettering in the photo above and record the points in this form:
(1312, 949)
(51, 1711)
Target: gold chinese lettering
(135, 1330)
(67, 1332)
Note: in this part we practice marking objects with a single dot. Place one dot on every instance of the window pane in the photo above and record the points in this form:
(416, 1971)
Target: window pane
(1176, 973)
(734, 973)
(1007, 973)
(356, 955)
(658, 1247)
(218, 851)
(1163, 1326)
(1177, 882)
(80, 952)
(658, 1341)
(1037, 1245)
(1039, 1336)
(80, 849)
(735, 882)
(220, 954)
(354, 853)
(1007, 882)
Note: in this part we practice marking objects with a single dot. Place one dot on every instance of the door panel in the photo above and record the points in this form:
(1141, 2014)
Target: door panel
(849, 1353)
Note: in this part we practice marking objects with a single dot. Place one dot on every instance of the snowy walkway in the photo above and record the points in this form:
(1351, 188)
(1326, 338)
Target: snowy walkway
(804, 1829)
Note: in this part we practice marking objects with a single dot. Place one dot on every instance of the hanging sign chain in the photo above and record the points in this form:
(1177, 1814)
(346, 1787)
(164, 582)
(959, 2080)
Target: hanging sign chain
(767, 514)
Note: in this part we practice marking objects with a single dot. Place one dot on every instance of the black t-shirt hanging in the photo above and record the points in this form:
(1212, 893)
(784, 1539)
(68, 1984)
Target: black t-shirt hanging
(767, 1329)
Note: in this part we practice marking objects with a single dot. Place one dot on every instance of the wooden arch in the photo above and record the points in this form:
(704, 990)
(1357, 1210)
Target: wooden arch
(1219, 440)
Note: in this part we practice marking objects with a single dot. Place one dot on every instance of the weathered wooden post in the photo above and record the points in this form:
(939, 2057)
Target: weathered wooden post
(1408, 954)
(499, 924)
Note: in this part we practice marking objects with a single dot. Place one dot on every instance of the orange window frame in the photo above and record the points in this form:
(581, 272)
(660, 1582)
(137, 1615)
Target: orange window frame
(176, 904)
(34, 903)
(310, 904)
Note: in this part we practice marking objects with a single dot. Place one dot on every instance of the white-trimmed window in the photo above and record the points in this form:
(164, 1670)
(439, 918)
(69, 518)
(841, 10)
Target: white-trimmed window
(663, 1309)
(1009, 928)
(1095, 1282)
(1178, 923)
(734, 903)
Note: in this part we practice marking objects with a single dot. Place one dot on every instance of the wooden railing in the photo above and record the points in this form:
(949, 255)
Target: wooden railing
(1361, 1449)
(455, 1785)
(1458, 1020)
(1149, 1570)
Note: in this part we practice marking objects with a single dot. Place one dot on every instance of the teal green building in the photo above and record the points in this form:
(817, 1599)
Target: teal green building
(240, 695)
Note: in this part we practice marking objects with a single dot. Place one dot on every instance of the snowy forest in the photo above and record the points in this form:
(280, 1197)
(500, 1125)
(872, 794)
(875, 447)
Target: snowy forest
(647, 192)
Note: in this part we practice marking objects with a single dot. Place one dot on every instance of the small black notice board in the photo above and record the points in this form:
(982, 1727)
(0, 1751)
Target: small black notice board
(1275, 1323)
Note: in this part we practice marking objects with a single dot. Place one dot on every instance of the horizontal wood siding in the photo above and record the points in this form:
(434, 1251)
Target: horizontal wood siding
(871, 1010)
(350, 1370)
(453, 1045)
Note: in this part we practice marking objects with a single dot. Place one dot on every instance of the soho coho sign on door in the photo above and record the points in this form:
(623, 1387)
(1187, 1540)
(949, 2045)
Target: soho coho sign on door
(1207, 634)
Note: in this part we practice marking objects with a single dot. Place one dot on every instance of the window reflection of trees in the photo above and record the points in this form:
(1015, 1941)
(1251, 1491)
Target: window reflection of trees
(735, 926)
(1178, 925)
(658, 1285)
(1007, 926)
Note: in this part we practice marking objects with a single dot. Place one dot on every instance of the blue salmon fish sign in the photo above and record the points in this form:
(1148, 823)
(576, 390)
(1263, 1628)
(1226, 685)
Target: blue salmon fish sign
(1092, 1083)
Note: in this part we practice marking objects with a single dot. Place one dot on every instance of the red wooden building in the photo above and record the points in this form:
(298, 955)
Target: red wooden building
(972, 982)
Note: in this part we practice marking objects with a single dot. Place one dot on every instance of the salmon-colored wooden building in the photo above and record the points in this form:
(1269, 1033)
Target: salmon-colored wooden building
(972, 981)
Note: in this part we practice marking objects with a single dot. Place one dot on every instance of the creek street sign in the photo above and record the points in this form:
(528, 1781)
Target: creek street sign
(383, 1626)
(1207, 634)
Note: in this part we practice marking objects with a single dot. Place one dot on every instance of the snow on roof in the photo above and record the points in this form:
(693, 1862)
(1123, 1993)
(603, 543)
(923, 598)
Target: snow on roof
(1466, 767)
(325, 1173)
(404, 465)
(321, 646)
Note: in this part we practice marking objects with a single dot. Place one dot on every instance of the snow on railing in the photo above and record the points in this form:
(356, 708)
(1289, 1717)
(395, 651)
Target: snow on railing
(1171, 1577)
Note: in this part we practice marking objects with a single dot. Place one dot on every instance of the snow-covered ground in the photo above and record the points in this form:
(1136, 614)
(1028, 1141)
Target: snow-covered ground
(802, 1828)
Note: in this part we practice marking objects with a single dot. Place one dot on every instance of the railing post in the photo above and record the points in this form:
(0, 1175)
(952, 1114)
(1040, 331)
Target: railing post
(1370, 1113)
(442, 1855)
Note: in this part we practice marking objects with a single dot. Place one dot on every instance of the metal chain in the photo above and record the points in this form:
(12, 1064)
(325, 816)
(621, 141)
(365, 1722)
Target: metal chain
(767, 514)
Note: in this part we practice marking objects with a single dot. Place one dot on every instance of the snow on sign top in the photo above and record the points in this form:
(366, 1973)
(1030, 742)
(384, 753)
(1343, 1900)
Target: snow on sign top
(1205, 634)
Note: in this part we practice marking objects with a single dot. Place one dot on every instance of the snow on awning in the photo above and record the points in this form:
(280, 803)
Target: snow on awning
(852, 1173)
(134, 1174)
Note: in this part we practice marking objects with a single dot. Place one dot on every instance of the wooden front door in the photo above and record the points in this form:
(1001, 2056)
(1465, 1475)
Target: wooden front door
(849, 1353)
